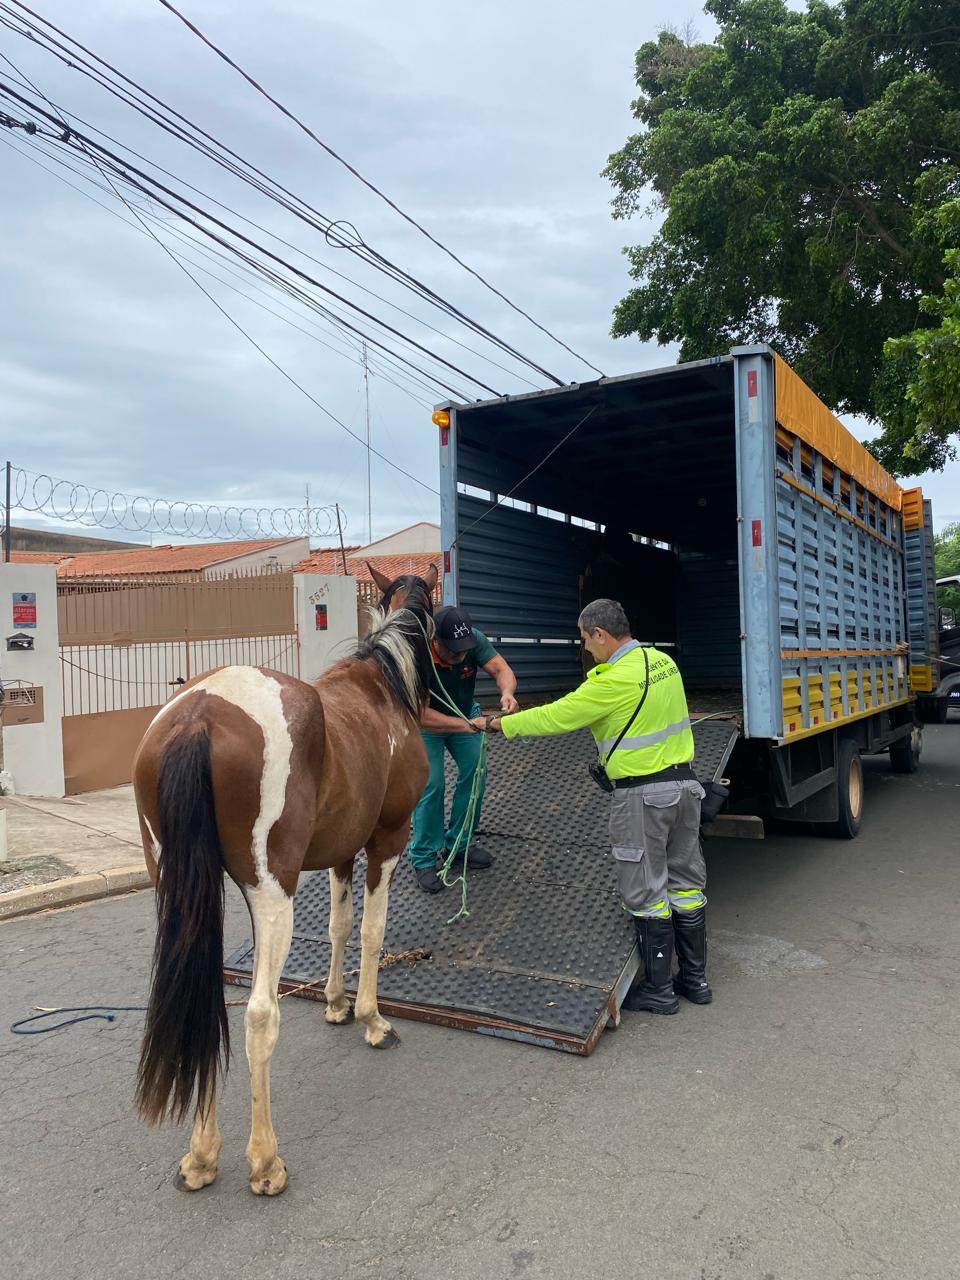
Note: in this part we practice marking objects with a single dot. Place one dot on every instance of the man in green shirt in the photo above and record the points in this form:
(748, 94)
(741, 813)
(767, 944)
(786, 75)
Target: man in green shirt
(459, 650)
(634, 704)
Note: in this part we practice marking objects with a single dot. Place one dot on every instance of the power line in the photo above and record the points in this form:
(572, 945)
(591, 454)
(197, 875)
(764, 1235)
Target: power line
(283, 372)
(347, 355)
(383, 365)
(533, 470)
(376, 190)
(332, 230)
(265, 230)
(123, 169)
(259, 186)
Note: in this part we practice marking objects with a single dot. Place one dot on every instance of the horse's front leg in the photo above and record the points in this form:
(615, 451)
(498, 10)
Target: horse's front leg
(341, 926)
(271, 910)
(383, 854)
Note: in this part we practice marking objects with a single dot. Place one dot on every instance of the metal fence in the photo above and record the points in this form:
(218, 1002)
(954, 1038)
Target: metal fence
(127, 643)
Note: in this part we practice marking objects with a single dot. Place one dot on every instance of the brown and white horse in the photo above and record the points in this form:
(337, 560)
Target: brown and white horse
(254, 773)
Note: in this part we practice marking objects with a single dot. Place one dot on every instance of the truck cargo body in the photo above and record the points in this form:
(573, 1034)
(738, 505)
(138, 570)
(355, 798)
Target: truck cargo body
(931, 678)
(755, 539)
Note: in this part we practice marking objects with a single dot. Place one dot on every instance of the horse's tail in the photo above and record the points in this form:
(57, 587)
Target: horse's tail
(186, 1033)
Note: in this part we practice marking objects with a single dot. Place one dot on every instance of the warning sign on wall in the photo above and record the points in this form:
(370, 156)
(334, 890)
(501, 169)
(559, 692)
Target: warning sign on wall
(24, 608)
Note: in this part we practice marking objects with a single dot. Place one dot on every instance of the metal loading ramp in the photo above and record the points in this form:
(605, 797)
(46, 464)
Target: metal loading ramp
(547, 953)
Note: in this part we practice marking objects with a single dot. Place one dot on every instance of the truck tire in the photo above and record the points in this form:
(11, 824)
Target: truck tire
(934, 710)
(905, 754)
(849, 792)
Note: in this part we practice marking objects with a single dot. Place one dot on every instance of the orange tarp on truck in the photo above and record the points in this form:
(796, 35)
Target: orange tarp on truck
(799, 410)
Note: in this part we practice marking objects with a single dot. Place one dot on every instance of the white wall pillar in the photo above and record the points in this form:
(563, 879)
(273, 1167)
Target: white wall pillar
(326, 607)
(33, 753)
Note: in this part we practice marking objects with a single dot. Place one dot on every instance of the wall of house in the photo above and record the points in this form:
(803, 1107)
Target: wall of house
(422, 539)
(113, 690)
(33, 752)
(326, 609)
(68, 544)
(283, 556)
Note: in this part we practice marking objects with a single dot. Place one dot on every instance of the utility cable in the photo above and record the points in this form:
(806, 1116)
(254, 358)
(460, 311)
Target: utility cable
(376, 190)
(330, 228)
(283, 372)
(503, 497)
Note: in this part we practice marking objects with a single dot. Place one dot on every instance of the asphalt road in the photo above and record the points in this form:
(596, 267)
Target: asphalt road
(804, 1125)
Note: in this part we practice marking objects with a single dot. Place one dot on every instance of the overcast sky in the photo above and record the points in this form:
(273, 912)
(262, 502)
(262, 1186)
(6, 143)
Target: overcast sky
(488, 123)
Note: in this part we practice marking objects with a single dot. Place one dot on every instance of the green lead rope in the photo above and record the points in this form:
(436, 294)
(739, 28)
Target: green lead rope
(465, 838)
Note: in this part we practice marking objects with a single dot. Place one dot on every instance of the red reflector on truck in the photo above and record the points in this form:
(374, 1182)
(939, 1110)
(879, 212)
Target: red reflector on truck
(752, 382)
(757, 533)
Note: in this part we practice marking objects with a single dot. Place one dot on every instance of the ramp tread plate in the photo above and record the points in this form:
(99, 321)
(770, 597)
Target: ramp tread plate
(539, 789)
(546, 942)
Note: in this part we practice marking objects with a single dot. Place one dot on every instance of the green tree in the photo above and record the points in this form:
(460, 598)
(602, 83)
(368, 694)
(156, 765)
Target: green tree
(918, 390)
(803, 164)
(948, 563)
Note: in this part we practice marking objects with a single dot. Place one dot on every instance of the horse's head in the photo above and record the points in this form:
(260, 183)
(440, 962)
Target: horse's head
(399, 643)
(406, 592)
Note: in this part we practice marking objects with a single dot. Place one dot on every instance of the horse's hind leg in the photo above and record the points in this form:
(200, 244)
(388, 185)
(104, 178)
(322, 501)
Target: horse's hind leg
(198, 1168)
(383, 853)
(271, 910)
(341, 926)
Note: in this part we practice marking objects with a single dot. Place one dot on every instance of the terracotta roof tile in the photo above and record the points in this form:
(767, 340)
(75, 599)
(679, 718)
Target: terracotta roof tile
(331, 562)
(38, 557)
(172, 559)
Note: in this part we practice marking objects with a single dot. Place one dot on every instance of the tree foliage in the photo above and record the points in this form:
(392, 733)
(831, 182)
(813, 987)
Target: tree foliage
(805, 164)
(948, 563)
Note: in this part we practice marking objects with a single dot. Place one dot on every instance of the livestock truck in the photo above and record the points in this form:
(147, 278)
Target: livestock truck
(748, 533)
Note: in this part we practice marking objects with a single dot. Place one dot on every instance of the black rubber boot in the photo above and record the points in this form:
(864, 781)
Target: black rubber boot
(477, 858)
(428, 880)
(690, 932)
(654, 994)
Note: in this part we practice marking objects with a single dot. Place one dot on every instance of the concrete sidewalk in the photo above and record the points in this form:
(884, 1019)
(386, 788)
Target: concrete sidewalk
(72, 850)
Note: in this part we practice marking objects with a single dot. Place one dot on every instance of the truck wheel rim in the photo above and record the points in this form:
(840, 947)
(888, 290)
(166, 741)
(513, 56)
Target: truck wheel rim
(855, 787)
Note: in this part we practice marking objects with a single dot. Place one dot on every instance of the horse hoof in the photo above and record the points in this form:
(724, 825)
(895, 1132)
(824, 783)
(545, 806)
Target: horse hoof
(273, 1182)
(389, 1041)
(339, 1017)
(193, 1181)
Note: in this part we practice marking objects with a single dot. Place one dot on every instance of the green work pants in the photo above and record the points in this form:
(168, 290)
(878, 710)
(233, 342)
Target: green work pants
(429, 835)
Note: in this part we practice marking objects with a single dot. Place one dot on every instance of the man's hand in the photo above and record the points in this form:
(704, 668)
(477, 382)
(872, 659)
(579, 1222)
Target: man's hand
(508, 703)
(437, 722)
(488, 724)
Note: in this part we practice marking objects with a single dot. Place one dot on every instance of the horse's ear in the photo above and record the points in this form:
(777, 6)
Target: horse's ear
(431, 577)
(383, 582)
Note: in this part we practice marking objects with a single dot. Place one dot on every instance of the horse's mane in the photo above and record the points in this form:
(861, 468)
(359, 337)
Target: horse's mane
(398, 645)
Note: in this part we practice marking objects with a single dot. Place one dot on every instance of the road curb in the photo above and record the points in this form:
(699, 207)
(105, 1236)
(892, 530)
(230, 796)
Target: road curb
(72, 890)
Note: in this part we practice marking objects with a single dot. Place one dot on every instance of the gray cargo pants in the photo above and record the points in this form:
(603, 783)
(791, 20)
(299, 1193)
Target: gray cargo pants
(655, 834)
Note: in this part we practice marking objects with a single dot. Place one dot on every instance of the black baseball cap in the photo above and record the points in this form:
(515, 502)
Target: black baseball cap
(454, 628)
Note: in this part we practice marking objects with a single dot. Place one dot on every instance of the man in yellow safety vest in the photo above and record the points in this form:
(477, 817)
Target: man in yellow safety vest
(634, 703)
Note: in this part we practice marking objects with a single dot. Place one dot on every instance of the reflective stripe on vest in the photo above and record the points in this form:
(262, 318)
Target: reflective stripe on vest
(646, 739)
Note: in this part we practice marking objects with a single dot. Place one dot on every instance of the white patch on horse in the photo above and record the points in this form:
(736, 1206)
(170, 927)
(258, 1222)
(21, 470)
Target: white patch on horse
(341, 926)
(372, 929)
(156, 842)
(392, 742)
(258, 696)
(271, 911)
(167, 705)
